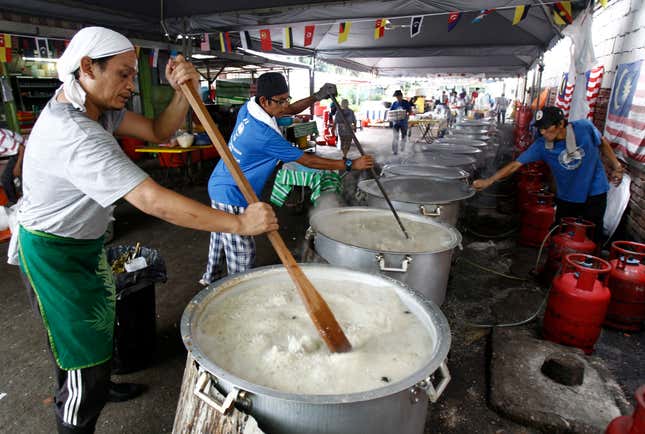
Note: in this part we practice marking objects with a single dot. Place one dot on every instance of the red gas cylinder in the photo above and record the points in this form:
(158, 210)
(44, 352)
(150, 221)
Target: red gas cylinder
(537, 218)
(573, 237)
(530, 180)
(634, 424)
(524, 116)
(577, 303)
(627, 285)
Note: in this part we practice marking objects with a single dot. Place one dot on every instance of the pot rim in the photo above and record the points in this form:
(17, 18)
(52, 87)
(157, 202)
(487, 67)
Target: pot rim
(363, 183)
(457, 238)
(463, 174)
(439, 355)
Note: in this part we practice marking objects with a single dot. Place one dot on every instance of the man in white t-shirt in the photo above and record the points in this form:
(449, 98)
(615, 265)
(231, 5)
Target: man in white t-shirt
(12, 145)
(74, 170)
(501, 104)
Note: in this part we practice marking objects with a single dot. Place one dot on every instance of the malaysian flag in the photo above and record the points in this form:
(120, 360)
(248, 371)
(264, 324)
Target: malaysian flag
(625, 126)
(565, 93)
(594, 80)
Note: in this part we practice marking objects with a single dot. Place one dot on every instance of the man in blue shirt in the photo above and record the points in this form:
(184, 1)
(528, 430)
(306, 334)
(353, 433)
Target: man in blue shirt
(571, 149)
(400, 126)
(258, 146)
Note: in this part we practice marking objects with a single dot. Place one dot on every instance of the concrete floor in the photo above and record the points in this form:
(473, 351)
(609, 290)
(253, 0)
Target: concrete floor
(473, 297)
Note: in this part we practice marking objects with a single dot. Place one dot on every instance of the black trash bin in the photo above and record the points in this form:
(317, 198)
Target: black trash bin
(135, 328)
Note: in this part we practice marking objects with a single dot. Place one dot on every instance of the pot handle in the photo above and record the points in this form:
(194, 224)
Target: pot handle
(435, 392)
(435, 213)
(202, 387)
(404, 264)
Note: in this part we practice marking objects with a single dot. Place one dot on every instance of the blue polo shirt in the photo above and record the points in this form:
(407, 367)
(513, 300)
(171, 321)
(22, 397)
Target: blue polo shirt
(576, 177)
(257, 148)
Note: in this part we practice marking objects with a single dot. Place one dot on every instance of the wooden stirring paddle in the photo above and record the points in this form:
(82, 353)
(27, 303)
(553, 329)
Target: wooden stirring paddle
(318, 310)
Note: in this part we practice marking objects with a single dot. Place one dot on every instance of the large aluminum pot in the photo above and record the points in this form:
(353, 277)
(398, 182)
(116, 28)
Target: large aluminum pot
(425, 270)
(399, 407)
(465, 134)
(464, 162)
(450, 148)
(437, 199)
(427, 170)
(489, 148)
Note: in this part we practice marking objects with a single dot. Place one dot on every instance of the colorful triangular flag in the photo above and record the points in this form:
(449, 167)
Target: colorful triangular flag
(265, 40)
(562, 13)
(453, 19)
(521, 12)
(343, 31)
(225, 42)
(482, 14)
(205, 43)
(415, 26)
(5, 47)
(309, 34)
(245, 39)
(603, 3)
(287, 37)
(379, 28)
(153, 57)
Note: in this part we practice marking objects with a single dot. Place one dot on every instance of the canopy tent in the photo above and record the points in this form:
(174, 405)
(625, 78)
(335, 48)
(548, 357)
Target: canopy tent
(493, 46)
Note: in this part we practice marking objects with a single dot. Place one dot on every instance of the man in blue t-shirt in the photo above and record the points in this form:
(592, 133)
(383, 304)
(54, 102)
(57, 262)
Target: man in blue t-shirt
(258, 146)
(400, 126)
(571, 149)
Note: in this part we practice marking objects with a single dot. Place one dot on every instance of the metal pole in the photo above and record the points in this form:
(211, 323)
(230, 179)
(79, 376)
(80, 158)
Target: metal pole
(539, 81)
(526, 77)
(312, 73)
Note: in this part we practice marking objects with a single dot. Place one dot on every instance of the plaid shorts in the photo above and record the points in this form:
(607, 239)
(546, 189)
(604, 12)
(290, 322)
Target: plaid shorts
(239, 249)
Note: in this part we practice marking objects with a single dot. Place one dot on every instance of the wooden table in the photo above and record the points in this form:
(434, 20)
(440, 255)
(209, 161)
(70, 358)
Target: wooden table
(424, 128)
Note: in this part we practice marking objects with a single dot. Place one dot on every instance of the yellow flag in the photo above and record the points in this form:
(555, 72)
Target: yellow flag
(343, 31)
(5, 47)
(603, 3)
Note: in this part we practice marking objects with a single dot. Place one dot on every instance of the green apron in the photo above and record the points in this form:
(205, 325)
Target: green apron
(76, 295)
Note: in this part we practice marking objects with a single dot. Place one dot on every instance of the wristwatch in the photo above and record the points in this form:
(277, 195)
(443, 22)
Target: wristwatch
(348, 164)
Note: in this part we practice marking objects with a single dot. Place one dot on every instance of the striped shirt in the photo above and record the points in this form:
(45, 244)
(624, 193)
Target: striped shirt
(10, 142)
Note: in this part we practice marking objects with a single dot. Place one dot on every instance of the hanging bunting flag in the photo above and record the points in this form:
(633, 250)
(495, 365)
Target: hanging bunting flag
(265, 40)
(565, 93)
(205, 43)
(594, 80)
(453, 19)
(562, 13)
(245, 38)
(137, 50)
(5, 47)
(343, 31)
(483, 13)
(287, 37)
(521, 12)
(225, 42)
(603, 3)
(379, 28)
(153, 57)
(309, 34)
(43, 50)
(415, 26)
(29, 47)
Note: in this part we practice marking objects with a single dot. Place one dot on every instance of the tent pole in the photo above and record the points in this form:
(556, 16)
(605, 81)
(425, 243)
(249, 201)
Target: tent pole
(312, 73)
(539, 81)
(526, 77)
(532, 87)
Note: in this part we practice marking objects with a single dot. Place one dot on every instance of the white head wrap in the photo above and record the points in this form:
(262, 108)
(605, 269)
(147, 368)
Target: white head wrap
(95, 43)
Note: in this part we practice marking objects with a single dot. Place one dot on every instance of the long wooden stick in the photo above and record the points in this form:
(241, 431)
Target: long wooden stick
(376, 178)
(317, 308)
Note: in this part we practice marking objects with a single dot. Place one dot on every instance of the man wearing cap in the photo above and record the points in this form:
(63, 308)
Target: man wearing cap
(74, 171)
(400, 126)
(571, 151)
(258, 146)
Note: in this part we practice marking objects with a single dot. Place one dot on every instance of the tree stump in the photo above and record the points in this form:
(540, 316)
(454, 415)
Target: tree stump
(196, 417)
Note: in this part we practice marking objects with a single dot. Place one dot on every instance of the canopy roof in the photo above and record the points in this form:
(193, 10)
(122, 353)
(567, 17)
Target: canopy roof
(493, 46)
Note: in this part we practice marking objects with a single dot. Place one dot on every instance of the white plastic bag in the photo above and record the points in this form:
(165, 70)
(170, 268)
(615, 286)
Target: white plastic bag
(12, 214)
(4, 218)
(617, 200)
(583, 59)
